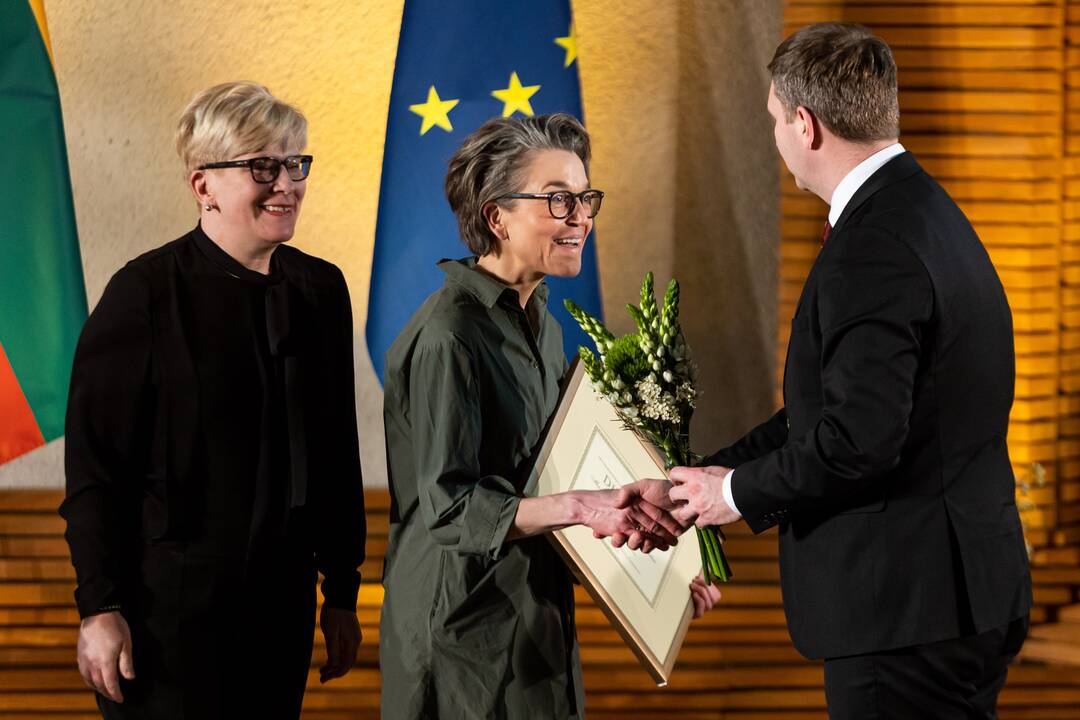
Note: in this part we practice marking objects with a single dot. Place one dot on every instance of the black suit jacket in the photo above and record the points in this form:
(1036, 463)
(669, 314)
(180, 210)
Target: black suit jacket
(887, 470)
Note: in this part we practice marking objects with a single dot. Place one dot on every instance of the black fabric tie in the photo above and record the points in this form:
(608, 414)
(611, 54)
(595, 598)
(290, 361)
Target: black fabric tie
(283, 347)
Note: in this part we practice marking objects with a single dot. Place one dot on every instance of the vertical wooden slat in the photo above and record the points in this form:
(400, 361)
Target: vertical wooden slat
(1066, 520)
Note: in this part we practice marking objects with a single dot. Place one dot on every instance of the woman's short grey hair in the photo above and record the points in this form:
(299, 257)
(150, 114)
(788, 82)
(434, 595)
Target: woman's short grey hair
(490, 162)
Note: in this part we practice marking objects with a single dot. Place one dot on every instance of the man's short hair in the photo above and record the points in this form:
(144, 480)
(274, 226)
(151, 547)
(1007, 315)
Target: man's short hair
(845, 75)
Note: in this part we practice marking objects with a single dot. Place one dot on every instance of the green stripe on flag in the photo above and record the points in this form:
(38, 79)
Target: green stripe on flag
(42, 297)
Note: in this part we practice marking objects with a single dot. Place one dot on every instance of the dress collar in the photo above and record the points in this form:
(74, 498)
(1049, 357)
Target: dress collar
(485, 288)
(228, 264)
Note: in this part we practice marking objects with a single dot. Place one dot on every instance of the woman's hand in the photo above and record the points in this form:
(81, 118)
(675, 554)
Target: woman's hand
(341, 630)
(652, 495)
(104, 647)
(704, 596)
(626, 519)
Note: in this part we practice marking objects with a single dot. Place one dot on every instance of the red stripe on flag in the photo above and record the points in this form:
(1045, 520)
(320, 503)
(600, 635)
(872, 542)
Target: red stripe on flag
(19, 432)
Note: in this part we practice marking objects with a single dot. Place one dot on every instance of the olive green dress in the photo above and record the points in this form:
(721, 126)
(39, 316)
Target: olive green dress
(473, 626)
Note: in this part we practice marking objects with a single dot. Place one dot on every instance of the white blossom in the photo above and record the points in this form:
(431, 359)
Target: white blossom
(685, 394)
(657, 404)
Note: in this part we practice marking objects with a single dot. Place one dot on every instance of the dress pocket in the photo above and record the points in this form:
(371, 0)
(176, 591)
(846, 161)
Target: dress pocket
(473, 604)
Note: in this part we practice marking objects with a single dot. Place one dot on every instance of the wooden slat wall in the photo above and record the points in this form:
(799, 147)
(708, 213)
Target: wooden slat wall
(982, 103)
(738, 662)
(1066, 538)
(990, 103)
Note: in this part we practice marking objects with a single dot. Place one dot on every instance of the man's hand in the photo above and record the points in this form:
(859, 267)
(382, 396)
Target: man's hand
(631, 520)
(104, 647)
(341, 630)
(704, 596)
(699, 494)
(654, 492)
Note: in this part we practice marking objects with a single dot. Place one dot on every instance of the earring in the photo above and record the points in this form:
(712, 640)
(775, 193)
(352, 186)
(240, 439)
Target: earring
(208, 207)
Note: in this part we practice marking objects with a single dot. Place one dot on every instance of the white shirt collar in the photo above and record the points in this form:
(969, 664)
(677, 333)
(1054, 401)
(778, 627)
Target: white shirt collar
(855, 179)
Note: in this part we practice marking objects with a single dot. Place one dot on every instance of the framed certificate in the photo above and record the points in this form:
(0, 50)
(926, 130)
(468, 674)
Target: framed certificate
(646, 597)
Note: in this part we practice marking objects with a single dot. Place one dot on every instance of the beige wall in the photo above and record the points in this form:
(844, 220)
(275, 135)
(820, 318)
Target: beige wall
(674, 96)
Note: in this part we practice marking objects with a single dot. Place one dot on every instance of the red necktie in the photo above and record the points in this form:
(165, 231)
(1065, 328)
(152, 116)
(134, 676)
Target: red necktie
(825, 232)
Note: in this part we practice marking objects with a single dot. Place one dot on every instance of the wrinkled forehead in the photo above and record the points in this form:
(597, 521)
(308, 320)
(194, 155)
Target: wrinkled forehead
(553, 169)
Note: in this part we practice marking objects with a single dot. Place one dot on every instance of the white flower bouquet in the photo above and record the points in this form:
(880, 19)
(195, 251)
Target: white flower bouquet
(649, 379)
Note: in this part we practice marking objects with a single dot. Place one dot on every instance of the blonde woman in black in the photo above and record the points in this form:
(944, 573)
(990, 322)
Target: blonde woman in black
(212, 461)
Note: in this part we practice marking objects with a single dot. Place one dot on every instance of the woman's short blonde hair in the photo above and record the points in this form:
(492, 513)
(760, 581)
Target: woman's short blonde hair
(234, 118)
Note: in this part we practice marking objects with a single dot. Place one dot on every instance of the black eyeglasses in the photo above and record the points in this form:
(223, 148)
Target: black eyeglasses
(562, 203)
(266, 169)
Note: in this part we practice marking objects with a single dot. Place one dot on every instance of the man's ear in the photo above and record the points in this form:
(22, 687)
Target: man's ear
(808, 127)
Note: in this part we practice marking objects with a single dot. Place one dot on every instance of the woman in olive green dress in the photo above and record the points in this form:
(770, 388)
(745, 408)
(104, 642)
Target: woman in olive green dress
(477, 620)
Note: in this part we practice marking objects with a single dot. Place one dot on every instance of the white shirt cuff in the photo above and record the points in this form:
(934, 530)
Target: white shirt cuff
(728, 497)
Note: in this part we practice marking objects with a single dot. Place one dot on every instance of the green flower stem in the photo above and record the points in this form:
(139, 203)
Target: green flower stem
(723, 569)
(718, 567)
(704, 554)
(714, 563)
(727, 568)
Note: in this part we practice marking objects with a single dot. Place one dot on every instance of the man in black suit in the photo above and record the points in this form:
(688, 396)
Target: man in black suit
(901, 553)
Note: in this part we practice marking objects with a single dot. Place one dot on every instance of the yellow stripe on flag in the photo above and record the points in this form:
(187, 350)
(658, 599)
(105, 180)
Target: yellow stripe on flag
(38, 7)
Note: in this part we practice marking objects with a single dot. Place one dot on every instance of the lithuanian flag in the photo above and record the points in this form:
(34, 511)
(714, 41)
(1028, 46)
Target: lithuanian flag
(42, 298)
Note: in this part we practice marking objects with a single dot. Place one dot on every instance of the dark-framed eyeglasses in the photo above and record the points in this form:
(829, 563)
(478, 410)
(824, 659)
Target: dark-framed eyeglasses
(265, 169)
(562, 203)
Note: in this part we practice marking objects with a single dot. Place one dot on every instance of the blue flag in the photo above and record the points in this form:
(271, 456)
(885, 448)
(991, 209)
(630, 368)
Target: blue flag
(458, 65)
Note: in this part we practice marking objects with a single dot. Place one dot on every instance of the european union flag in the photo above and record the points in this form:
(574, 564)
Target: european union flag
(459, 64)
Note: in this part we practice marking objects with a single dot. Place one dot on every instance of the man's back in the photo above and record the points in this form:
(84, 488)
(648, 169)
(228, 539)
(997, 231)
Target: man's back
(901, 552)
(901, 368)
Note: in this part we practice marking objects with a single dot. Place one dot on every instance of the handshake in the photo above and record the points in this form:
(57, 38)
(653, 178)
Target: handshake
(651, 514)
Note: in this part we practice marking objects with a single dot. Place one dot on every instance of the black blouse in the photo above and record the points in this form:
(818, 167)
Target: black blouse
(213, 406)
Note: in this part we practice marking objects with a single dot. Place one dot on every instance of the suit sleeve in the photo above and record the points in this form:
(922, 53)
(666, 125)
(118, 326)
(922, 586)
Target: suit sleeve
(466, 511)
(766, 437)
(341, 528)
(873, 299)
(105, 445)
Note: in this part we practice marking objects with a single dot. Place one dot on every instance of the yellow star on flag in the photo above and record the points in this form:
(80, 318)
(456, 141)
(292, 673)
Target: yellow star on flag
(435, 112)
(516, 97)
(570, 44)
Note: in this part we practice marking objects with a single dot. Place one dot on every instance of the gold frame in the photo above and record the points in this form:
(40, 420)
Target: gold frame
(655, 634)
